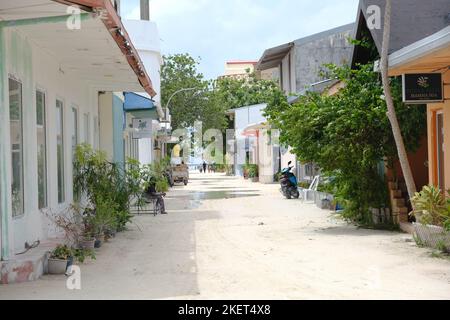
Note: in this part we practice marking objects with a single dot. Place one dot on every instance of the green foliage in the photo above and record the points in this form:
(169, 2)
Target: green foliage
(253, 170)
(108, 187)
(62, 252)
(180, 72)
(81, 254)
(431, 207)
(154, 174)
(348, 135)
(246, 91)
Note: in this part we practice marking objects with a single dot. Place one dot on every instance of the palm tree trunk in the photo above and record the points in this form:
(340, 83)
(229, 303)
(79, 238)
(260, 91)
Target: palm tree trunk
(402, 154)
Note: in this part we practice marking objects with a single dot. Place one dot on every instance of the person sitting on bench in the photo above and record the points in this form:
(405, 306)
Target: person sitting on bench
(152, 193)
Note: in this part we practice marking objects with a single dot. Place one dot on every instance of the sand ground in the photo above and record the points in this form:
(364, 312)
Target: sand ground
(226, 238)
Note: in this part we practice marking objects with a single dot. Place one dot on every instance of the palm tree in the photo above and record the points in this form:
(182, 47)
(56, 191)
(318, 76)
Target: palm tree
(402, 155)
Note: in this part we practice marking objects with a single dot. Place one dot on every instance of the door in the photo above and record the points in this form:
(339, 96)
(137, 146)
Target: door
(440, 150)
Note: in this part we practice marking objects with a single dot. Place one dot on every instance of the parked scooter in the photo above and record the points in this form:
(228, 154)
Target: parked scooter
(289, 183)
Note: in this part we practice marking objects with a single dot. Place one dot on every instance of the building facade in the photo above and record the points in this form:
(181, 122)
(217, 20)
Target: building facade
(298, 67)
(55, 68)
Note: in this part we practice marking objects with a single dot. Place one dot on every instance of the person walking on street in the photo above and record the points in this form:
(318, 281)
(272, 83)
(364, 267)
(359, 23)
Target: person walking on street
(204, 166)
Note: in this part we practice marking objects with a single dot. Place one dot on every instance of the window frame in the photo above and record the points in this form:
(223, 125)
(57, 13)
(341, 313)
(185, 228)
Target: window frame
(11, 77)
(46, 151)
(63, 160)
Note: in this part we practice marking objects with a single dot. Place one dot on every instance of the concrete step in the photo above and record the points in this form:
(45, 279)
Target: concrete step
(398, 202)
(396, 193)
(29, 266)
(400, 210)
(393, 186)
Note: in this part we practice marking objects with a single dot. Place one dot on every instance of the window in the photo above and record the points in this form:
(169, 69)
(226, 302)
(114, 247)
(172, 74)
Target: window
(41, 149)
(87, 128)
(74, 134)
(74, 139)
(16, 131)
(60, 150)
(96, 129)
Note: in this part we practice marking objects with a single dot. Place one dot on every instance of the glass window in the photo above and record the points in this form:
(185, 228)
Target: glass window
(74, 138)
(60, 149)
(87, 128)
(41, 148)
(74, 130)
(96, 136)
(16, 131)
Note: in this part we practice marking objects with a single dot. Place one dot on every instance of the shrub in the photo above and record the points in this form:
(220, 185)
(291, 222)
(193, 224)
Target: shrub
(431, 207)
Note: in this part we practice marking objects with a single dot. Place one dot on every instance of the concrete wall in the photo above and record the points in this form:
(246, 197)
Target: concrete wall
(105, 110)
(36, 69)
(145, 37)
(262, 151)
(235, 69)
(313, 52)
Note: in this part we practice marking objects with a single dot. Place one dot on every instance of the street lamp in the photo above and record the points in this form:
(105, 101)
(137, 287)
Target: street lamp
(177, 92)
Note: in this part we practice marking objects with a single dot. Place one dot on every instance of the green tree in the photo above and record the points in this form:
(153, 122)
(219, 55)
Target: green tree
(348, 134)
(197, 104)
(240, 92)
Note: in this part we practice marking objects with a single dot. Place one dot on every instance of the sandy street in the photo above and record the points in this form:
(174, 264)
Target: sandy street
(226, 238)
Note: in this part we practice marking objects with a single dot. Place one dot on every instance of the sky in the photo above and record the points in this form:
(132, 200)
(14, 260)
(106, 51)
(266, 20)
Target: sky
(221, 30)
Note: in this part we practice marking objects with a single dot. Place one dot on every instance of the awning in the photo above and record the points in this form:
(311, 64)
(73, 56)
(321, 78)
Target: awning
(136, 102)
(273, 57)
(140, 106)
(252, 130)
(100, 52)
(431, 54)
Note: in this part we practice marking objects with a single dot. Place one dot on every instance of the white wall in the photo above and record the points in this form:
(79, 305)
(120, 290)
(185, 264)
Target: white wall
(39, 70)
(105, 110)
(244, 117)
(145, 37)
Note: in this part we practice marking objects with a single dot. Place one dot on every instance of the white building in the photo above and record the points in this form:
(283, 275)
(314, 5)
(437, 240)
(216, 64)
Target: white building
(53, 69)
(144, 35)
(255, 143)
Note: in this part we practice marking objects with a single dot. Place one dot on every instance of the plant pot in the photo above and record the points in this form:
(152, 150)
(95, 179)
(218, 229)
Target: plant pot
(88, 244)
(432, 236)
(255, 179)
(98, 244)
(57, 266)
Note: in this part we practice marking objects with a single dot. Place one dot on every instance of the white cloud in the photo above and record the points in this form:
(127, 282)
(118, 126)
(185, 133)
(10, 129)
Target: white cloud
(220, 30)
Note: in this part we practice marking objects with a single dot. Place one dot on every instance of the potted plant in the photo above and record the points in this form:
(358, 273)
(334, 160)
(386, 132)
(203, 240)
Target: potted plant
(245, 169)
(60, 259)
(87, 241)
(432, 211)
(101, 220)
(253, 173)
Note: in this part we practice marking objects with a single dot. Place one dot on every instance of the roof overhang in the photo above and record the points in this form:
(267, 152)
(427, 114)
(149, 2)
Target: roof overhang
(100, 53)
(431, 54)
(252, 130)
(274, 56)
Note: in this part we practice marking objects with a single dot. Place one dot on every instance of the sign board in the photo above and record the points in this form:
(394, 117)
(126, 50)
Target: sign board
(423, 88)
(142, 128)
